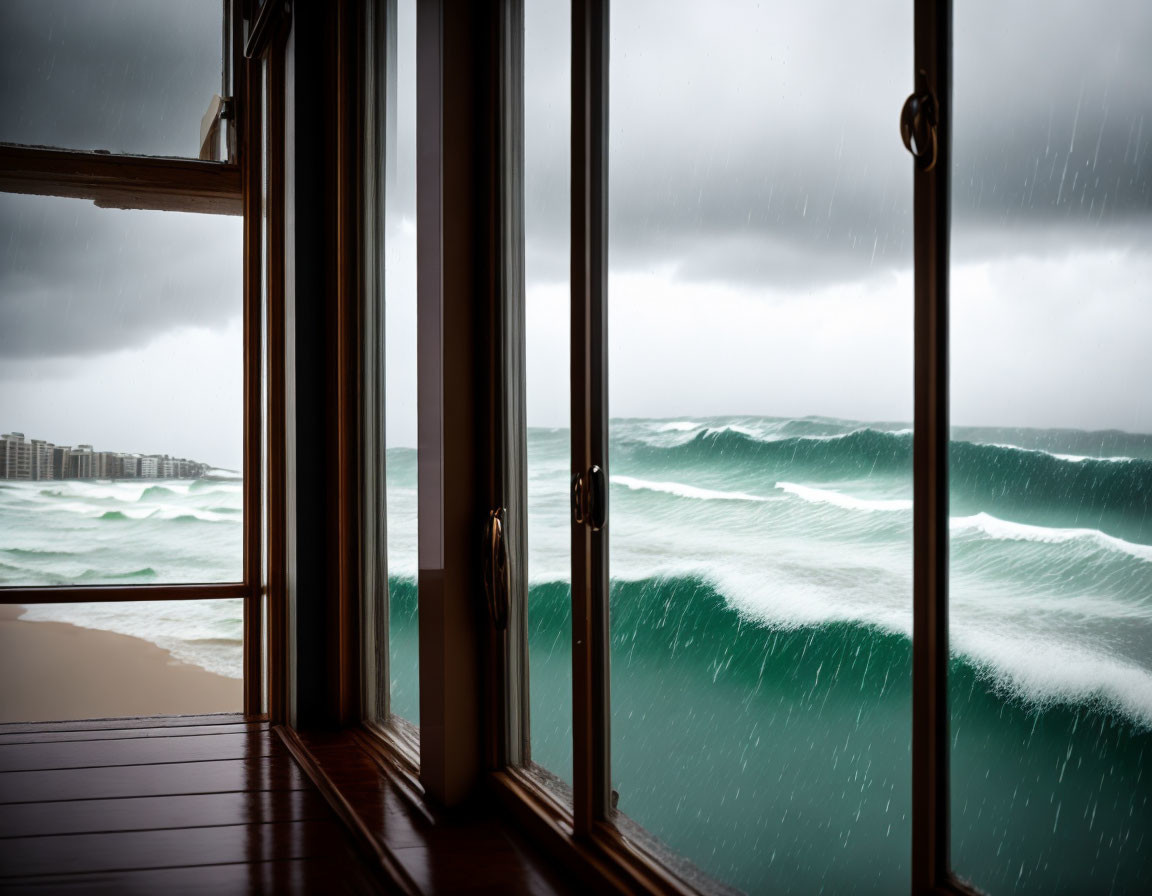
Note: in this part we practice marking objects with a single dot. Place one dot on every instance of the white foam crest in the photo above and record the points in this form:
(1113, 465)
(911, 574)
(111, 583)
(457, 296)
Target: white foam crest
(732, 427)
(1044, 671)
(681, 490)
(679, 426)
(171, 512)
(1073, 458)
(993, 527)
(838, 499)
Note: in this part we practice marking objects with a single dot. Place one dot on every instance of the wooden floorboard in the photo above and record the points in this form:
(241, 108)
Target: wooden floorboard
(339, 875)
(188, 804)
(134, 850)
(159, 812)
(222, 718)
(137, 751)
(217, 776)
(54, 737)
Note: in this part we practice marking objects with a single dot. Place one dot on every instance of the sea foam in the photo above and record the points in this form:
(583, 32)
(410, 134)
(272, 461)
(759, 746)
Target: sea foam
(681, 490)
(992, 527)
(838, 499)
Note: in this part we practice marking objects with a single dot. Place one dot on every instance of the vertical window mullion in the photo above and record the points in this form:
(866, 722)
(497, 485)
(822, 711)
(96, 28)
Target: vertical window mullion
(932, 195)
(589, 335)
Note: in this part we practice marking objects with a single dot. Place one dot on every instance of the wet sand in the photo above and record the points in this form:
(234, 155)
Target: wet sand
(53, 670)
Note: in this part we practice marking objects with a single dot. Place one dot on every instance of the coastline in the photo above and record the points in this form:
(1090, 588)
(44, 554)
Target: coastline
(51, 671)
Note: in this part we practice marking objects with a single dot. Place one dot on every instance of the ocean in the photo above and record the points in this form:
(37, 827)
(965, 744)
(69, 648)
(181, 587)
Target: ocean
(133, 531)
(761, 611)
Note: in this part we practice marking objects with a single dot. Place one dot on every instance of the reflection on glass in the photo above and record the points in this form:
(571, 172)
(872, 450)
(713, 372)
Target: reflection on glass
(1051, 465)
(400, 369)
(547, 51)
(131, 76)
(110, 660)
(121, 400)
(760, 338)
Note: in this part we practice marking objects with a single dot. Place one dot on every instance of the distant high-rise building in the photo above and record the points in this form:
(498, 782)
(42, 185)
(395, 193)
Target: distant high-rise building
(60, 457)
(80, 462)
(129, 466)
(105, 465)
(40, 459)
(17, 457)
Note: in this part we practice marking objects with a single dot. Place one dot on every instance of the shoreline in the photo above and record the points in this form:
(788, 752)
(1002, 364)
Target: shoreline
(54, 671)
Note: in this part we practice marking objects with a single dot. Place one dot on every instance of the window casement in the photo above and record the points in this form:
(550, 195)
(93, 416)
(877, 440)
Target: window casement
(317, 137)
(218, 175)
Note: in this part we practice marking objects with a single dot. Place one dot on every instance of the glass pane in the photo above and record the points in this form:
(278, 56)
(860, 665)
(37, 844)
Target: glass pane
(547, 126)
(1051, 556)
(127, 76)
(110, 660)
(760, 296)
(121, 374)
(400, 372)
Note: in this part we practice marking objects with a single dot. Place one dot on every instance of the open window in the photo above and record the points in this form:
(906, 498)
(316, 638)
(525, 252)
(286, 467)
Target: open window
(131, 494)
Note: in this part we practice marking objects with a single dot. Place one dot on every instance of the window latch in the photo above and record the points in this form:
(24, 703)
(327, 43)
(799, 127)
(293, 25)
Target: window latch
(497, 583)
(590, 498)
(918, 120)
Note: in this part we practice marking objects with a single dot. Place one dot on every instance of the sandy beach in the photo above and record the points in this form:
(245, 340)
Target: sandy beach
(52, 670)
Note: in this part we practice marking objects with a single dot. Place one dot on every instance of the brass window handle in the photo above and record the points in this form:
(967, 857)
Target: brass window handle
(497, 584)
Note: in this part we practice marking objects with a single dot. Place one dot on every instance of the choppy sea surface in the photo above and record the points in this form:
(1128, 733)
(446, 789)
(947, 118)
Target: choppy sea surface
(125, 531)
(761, 612)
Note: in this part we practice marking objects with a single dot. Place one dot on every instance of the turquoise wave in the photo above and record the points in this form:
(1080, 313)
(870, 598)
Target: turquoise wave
(792, 745)
(1113, 495)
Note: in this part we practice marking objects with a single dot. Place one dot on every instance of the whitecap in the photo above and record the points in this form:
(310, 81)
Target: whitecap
(1006, 530)
(837, 499)
(681, 490)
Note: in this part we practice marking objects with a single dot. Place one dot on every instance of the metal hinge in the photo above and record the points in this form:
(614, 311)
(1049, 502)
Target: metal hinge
(590, 498)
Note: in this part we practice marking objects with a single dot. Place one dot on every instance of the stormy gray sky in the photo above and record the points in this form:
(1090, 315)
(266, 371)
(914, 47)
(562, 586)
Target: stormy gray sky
(760, 220)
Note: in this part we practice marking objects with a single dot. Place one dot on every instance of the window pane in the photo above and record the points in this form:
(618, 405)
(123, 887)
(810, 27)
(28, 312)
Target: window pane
(547, 126)
(110, 660)
(121, 399)
(132, 76)
(1051, 465)
(400, 372)
(760, 296)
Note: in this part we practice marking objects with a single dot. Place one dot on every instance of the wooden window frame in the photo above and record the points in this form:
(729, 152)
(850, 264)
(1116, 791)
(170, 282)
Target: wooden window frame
(586, 829)
(473, 700)
(126, 181)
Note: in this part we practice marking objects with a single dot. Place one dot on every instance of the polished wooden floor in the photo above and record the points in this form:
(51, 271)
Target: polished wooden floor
(215, 804)
(171, 805)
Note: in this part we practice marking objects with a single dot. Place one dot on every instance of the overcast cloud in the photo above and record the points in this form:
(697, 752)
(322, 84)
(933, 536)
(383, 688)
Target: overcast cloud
(760, 212)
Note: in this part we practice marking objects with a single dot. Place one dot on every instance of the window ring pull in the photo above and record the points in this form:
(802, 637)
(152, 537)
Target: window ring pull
(918, 120)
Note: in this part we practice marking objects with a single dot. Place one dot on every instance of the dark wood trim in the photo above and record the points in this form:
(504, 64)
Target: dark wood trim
(589, 334)
(116, 181)
(271, 18)
(450, 402)
(251, 151)
(932, 215)
(274, 369)
(607, 861)
(507, 695)
(64, 594)
(349, 301)
(355, 825)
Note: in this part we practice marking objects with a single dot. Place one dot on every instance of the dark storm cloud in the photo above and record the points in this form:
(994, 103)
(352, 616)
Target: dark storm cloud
(131, 76)
(123, 75)
(78, 280)
(761, 143)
